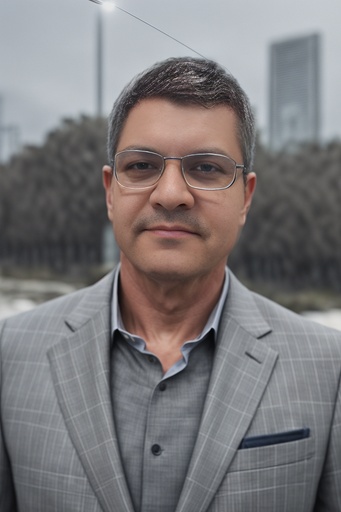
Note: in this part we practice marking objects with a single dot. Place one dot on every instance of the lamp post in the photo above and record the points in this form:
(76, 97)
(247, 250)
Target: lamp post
(99, 60)
(108, 5)
(104, 6)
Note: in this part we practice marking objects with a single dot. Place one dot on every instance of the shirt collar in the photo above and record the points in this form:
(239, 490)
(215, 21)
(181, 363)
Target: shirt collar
(212, 322)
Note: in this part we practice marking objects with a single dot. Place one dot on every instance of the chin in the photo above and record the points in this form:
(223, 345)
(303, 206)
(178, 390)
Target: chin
(168, 274)
(171, 271)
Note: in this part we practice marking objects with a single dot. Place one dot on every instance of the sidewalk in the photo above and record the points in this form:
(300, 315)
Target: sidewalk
(17, 295)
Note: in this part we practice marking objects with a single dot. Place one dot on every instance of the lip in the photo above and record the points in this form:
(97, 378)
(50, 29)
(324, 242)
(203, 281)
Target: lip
(173, 231)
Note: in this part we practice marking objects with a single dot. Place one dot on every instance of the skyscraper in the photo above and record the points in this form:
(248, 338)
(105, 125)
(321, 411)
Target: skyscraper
(294, 92)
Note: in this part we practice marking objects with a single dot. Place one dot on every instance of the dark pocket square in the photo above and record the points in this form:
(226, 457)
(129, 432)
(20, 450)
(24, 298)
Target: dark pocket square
(282, 437)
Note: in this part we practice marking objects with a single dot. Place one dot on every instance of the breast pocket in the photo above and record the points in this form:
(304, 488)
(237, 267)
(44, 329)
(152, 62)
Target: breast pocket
(273, 450)
(278, 476)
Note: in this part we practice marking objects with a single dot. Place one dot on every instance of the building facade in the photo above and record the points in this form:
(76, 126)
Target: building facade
(294, 110)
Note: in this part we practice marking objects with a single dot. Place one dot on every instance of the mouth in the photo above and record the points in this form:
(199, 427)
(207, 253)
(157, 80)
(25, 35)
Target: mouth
(171, 231)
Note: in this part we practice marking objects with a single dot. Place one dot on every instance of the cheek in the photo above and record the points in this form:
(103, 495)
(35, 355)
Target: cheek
(229, 221)
(126, 208)
(237, 208)
(230, 211)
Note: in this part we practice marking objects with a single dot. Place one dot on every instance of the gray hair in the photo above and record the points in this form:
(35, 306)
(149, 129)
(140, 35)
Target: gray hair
(186, 80)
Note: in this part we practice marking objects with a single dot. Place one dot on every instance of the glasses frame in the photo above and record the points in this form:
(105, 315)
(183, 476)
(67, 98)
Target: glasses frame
(180, 158)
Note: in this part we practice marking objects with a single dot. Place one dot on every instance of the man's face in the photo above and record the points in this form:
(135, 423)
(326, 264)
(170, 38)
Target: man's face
(171, 231)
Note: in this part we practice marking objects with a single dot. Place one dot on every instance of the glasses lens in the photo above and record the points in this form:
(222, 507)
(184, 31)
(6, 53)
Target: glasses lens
(137, 169)
(209, 171)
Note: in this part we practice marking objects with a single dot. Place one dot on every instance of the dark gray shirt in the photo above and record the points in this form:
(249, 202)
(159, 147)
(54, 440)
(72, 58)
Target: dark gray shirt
(157, 416)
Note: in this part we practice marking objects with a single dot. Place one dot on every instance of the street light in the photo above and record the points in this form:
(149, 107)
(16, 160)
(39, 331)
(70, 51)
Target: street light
(99, 63)
(106, 6)
(109, 5)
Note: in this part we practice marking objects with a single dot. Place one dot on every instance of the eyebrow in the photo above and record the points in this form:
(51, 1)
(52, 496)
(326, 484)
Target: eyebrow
(214, 150)
(138, 148)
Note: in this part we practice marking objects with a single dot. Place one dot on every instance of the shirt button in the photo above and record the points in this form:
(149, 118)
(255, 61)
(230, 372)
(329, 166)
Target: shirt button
(156, 449)
(152, 359)
(162, 386)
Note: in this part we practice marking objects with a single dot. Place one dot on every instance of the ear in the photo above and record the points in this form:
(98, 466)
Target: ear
(107, 178)
(249, 190)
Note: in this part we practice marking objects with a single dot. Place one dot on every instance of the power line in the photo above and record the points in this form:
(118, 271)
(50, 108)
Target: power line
(101, 2)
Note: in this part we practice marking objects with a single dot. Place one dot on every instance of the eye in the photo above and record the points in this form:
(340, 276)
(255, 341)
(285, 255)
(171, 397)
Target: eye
(139, 161)
(205, 168)
(141, 166)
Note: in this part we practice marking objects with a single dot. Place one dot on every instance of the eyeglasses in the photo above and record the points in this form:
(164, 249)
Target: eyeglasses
(138, 169)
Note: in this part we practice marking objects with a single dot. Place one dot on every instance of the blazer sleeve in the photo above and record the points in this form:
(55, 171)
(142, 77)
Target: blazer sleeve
(329, 492)
(7, 493)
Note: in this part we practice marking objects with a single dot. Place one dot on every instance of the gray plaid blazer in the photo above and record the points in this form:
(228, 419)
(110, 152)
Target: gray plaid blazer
(270, 435)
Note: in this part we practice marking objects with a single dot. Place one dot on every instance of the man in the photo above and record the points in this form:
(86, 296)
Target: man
(168, 386)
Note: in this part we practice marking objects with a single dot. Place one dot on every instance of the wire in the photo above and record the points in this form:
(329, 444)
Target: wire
(100, 2)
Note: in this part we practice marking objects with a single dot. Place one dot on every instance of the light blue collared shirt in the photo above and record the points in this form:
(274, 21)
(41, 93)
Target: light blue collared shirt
(140, 345)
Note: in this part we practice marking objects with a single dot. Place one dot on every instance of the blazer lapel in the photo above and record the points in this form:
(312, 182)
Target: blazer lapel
(80, 367)
(242, 368)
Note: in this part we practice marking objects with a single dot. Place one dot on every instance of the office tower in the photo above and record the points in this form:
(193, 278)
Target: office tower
(294, 92)
(9, 137)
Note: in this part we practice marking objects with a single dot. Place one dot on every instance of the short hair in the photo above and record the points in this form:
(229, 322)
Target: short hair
(187, 81)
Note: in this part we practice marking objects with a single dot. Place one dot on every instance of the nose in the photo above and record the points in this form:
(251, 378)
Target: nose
(171, 191)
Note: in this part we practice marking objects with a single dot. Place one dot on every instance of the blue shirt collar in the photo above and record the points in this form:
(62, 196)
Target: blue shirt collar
(212, 322)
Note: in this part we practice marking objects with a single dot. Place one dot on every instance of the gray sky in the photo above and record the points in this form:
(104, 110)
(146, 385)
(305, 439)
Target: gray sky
(48, 52)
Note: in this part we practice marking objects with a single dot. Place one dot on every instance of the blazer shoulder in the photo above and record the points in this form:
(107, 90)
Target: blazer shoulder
(250, 308)
(298, 331)
(274, 311)
(48, 321)
(57, 306)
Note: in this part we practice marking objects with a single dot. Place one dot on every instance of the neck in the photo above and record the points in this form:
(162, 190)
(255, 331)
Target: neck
(167, 313)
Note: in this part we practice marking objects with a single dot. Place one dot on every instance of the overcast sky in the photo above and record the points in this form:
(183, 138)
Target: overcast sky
(48, 52)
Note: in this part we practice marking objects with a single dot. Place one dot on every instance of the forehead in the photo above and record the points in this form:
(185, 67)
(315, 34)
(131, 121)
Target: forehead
(172, 128)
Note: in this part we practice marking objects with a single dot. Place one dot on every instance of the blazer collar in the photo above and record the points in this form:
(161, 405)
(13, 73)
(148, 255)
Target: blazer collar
(242, 308)
(95, 299)
(80, 367)
(241, 371)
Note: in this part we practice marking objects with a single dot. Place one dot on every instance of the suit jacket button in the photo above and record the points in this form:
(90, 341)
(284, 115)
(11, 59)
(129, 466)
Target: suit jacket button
(156, 449)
